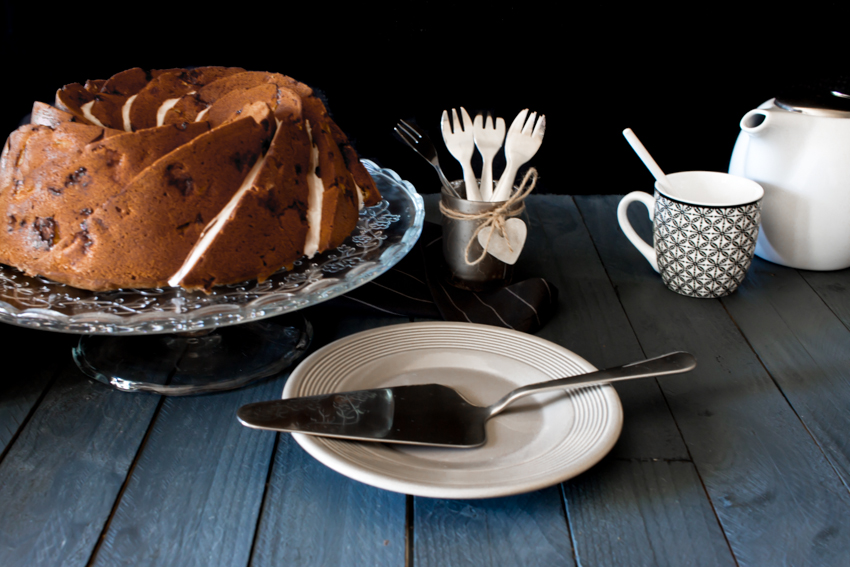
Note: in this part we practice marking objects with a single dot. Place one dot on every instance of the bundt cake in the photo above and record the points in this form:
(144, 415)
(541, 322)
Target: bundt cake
(191, 178)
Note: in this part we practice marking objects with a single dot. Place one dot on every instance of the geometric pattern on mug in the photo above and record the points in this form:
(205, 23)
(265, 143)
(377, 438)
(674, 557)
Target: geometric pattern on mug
(704, 251)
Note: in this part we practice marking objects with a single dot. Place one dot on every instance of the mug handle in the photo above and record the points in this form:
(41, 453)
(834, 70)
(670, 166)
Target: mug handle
(623, 218)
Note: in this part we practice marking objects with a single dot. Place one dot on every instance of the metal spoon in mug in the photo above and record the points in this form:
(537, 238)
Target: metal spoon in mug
(647, 160)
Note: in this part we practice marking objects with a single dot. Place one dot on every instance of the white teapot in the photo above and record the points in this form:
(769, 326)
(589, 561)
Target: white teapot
(799, 152)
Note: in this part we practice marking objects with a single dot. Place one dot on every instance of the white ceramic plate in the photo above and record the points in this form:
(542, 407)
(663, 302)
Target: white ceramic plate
(537, 442)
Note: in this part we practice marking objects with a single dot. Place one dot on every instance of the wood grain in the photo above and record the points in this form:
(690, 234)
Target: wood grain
(761, 469)
(663, 517)
(22, 381)
(313, 515)
(529, 529)
(834, 289)
(63, 473)
(195, 492)
(592, 323)
(805, 347)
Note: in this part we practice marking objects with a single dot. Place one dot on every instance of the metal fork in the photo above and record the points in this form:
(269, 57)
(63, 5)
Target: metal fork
(521, 143)
(461, 144)
(422, 145)
(488, 140)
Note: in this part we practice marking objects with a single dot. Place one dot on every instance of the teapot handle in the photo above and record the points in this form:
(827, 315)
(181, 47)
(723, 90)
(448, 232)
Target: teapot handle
(623, 218)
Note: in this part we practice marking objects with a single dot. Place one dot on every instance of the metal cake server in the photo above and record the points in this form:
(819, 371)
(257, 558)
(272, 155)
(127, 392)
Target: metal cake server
(428, 414)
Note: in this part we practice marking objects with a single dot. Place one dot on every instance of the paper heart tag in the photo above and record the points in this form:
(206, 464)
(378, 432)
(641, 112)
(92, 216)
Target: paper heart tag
(515, 231)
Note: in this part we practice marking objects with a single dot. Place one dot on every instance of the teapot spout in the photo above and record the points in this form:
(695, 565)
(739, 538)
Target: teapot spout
(760, 120)
(754, 122)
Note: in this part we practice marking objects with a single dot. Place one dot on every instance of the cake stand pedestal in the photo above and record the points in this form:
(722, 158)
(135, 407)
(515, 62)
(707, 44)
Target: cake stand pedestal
(225, 339)
(204, 361)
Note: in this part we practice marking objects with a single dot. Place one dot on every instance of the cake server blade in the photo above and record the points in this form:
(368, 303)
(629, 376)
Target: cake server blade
(427, 414)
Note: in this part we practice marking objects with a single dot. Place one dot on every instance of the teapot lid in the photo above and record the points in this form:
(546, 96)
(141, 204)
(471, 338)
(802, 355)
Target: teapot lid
(831, 99)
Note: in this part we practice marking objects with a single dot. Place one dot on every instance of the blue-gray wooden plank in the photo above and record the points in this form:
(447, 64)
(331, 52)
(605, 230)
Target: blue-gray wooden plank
(195, 492)
(528, 529)
(315, 516)
(22, 381)
(776, 495)
(804, 346)
(647, 491)
(591, 322)
(63, 473)
(834, 289)
(662, 502)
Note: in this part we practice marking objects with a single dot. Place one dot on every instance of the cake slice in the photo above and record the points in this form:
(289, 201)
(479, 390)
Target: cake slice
(201, 76)
(72, 99)
(340, 203)
(94, 85)
(59, 195)
(197, 105)
(140, 237)
(341, 198)
(264, 226)
(147, 108)
(168, 87)
(233, 103)
(369, 191)
(126, 83)
(190, 108)
(96, 108)
(27, 149)
(107, 110)
(214, 90)
(46, 115)
(32, 145)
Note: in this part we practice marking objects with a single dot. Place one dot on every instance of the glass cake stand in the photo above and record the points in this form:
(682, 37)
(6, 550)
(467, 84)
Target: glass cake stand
(128, 334)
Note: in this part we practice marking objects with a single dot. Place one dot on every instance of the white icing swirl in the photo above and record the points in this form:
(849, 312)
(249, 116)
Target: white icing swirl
(125, 113)
(163, 109)
(314, 199)
(86, 108)
(214, 227)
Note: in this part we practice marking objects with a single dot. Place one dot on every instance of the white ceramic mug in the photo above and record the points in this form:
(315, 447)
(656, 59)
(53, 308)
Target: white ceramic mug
(705, 227)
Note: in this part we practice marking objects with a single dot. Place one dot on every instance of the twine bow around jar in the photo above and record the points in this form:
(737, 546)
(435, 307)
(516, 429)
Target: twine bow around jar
(494, 217)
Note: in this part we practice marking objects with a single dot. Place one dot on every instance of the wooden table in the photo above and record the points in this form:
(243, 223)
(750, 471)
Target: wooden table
(745, 461)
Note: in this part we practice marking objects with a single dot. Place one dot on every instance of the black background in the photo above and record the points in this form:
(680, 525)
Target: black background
(681, 76)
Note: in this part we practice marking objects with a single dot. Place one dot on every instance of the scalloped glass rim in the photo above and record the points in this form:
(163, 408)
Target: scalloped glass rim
(385, 234)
